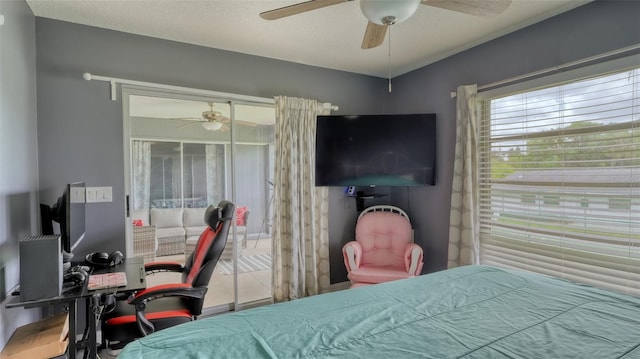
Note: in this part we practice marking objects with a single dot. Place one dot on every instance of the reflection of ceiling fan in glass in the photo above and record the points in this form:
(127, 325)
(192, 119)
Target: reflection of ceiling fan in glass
(213, 120)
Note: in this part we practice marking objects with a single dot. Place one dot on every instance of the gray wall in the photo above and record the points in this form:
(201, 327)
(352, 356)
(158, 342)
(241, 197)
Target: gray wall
(586, 31)
(80, 136)
(80, 128)
(18, 157)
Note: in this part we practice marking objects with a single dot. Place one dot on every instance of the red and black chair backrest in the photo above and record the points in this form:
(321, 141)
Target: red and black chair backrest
(201, 263)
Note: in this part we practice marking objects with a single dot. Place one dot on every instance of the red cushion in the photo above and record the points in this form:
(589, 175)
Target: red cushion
(160, 288)
(126, 319)
(240, 211)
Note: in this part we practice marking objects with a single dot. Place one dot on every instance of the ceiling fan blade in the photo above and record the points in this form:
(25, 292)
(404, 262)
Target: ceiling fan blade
(246, 123)
(298, 8)
(185, 119)
(187, 124)
(472, 7)
(374, 36)
(221, 118)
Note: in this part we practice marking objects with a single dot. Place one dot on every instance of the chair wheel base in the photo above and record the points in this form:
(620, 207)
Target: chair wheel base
(114, 348)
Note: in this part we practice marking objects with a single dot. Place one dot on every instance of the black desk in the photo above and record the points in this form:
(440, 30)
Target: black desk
(134, 267)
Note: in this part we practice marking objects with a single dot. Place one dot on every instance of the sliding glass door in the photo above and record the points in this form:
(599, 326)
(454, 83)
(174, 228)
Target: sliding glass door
(185, 153)
(181, 174)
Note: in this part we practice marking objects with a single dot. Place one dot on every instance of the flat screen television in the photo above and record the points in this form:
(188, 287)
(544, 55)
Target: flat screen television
(376, 150)
(69, 213)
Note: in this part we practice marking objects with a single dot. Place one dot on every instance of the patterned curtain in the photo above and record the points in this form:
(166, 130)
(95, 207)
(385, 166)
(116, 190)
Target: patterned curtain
(300, 233)
(214, 155)
(463, 227)
(141, 167)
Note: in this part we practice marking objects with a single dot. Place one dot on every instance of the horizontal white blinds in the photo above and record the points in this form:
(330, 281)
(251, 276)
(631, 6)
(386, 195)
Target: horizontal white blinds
(560, 181)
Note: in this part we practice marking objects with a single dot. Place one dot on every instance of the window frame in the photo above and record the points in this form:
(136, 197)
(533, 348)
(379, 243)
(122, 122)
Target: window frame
(541, 259)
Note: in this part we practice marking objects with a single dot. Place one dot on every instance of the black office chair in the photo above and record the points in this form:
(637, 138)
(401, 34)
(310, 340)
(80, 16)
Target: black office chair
(167, 305)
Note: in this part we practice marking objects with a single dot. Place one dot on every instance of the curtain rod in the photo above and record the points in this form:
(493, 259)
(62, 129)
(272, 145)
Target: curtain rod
(555, 69)
(113, 81)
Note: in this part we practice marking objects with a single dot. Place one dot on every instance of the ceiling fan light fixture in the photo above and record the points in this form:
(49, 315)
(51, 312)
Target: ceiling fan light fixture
(212, 126)
(388, 12)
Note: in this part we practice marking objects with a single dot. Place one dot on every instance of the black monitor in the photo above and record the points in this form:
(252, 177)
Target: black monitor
(46, 222)
(69, 213)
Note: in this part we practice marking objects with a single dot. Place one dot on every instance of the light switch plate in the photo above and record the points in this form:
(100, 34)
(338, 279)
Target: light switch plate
(99, 194)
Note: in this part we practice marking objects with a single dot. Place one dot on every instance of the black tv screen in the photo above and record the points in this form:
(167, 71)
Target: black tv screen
(376, 150)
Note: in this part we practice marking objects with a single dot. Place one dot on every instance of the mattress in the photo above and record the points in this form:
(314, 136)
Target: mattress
(466, 312)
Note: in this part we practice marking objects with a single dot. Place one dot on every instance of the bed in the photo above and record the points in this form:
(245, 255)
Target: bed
(466, 312)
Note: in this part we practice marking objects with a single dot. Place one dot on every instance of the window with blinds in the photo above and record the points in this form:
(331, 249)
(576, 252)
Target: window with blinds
(560, 180)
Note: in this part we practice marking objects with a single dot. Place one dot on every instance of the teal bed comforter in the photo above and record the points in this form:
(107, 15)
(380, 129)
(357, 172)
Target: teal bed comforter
(466, 312)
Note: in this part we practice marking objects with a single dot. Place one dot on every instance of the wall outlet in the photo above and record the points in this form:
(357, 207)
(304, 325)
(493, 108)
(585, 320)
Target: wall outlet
(99, 194)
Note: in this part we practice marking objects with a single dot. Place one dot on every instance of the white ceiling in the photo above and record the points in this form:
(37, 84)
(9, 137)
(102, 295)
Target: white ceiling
(330, 37)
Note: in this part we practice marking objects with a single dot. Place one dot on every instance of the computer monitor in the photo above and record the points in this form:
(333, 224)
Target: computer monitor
(69, 213)
(46, 222)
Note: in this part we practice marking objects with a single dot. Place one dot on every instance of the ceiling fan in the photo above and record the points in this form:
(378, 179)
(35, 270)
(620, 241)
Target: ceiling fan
(383, 13)
(213, 120)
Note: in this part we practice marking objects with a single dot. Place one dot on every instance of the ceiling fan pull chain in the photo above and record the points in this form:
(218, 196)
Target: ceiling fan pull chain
(389, 62)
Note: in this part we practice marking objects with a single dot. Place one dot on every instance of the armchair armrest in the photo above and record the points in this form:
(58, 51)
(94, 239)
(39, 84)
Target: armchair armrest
(155, 267)
(413, 256)
(166, 290)
(352, 253)
(139, 300)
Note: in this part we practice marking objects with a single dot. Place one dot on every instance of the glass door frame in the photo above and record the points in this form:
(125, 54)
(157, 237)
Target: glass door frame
(189, 95)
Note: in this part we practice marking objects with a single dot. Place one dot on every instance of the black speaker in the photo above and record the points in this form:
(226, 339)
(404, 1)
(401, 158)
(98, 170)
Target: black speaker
(40, 267)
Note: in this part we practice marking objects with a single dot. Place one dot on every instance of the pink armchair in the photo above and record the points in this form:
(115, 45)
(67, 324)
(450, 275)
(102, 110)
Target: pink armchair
(383, 250)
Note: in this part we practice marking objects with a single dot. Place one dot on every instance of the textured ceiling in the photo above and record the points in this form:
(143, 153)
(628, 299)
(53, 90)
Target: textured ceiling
(330, 37)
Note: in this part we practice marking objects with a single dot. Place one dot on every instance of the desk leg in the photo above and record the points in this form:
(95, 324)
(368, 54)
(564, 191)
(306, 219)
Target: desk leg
(91, 322)
(88, 341)
(72, 329)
